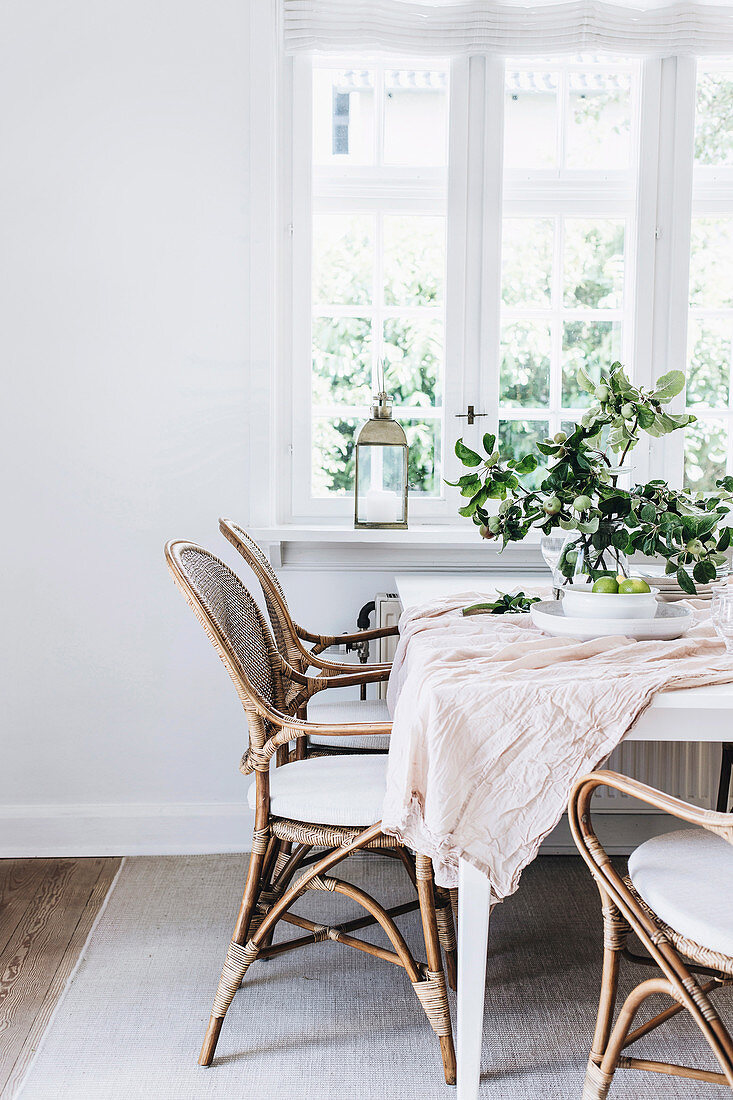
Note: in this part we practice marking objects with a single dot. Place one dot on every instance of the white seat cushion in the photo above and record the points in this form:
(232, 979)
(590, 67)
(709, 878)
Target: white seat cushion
(346, 712)
(328, 790)
(686, 877)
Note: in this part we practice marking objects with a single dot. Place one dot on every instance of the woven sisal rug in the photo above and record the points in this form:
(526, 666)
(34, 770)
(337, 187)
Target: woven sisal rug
(329, 1023)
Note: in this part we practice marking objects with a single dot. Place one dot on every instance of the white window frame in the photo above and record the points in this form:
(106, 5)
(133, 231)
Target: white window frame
(657, 268)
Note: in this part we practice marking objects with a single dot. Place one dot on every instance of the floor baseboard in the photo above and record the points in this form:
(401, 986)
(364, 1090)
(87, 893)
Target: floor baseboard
(171, 828)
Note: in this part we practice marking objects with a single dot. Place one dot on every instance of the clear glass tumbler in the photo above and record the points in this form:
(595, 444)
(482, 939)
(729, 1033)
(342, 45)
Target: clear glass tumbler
(722, 614)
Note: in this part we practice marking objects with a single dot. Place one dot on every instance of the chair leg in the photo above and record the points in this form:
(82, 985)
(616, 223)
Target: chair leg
(615, 934)
(234, 967)
(432, 992)
(726, 765)
(447, 935)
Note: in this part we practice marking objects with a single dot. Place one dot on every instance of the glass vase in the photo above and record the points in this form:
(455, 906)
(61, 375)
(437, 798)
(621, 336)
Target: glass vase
(586, 557)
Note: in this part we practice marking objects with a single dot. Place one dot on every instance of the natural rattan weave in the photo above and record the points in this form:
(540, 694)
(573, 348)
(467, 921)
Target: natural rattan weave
(289, 636)
(678, 959)
(283, 864)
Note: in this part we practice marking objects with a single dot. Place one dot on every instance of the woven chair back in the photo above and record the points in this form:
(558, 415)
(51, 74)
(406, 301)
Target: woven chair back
(277, 606)
(232, 620)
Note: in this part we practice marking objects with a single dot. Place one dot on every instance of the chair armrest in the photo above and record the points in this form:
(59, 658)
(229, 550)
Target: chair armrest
(298, 727)
(580, 797)
(345, 667)
(324, 641)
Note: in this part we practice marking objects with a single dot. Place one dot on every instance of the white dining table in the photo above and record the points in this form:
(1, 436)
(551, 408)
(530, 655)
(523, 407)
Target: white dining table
(690, 714)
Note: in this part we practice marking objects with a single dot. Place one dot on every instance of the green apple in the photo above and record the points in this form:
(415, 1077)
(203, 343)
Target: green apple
(632, 586)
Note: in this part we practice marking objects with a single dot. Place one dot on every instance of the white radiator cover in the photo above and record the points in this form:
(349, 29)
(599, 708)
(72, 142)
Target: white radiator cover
(688, 771)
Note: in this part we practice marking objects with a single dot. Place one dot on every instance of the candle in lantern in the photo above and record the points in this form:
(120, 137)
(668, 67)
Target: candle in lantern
(382, 506)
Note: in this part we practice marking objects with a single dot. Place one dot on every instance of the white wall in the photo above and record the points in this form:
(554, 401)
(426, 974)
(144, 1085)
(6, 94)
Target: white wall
(124, 268)
(124, 259)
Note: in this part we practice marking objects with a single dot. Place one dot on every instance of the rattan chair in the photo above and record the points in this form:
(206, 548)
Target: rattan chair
(678, 900)
(326, 802)
(290, 637)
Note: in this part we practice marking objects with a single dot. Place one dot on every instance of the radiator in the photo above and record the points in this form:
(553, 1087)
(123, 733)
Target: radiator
(688, 771)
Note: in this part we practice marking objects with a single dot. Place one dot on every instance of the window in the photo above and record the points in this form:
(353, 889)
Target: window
(479, 230)
(570, 140)
(377, 271)
(709, 442)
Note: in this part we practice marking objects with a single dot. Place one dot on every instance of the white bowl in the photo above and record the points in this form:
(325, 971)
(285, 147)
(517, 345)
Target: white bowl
(579, 602)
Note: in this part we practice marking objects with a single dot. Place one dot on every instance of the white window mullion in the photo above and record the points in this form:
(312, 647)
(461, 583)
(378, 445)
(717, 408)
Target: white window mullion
(493, 210)
(672, 267)
(299, 231)
(641, 259)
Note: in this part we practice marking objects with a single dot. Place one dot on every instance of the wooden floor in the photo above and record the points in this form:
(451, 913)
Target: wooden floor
(47, 908)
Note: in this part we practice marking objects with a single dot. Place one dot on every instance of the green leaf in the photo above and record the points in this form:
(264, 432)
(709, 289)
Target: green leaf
(585, 382)
(526, 465)
(668, 386)
(620, 538)
(704, 572)
(489, 443)
(724, 540)
(466, 455)
(648, 513)
(547, 448)
(684, 580)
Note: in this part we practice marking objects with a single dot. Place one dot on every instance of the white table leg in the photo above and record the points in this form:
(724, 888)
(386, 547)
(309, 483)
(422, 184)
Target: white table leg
(474, 900)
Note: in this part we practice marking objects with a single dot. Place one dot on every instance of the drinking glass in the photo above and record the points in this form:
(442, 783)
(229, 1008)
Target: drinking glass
(551, 548)
(722, 614)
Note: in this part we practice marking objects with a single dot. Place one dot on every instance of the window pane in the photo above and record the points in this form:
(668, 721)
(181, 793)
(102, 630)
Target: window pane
(526, 262)
(594, 263)
(711, 263)
(598, 125)
(416, 117)
(414, 260)
(413, 356)
(530, 121)
(343, 116)
(342, 361)
(423, 461)
(334, 444)
(708, 377)
(518, 437)
(343, 258)
(714, 118)
(589, 344)
(706, 447)
(526, 348)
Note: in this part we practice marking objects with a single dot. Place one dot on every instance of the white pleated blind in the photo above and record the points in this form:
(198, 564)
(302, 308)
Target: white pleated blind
(456, 27)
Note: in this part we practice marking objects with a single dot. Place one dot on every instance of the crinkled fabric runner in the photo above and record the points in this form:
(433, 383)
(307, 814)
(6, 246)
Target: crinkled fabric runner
(494, 721)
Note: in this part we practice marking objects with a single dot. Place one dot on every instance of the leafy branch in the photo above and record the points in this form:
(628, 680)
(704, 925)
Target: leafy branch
(580, 492)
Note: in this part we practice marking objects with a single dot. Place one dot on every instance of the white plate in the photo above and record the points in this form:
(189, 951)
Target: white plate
(670, 621)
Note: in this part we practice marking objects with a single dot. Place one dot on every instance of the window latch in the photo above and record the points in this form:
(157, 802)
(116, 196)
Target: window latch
(470, 414)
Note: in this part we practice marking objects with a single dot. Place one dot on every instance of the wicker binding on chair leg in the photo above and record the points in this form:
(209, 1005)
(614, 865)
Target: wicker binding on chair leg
(675, 956)
(282, 864)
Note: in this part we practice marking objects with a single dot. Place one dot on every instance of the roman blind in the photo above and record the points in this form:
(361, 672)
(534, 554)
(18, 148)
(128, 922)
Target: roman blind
(460, 27)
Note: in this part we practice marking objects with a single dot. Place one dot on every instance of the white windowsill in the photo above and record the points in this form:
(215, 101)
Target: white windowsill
(422, 547)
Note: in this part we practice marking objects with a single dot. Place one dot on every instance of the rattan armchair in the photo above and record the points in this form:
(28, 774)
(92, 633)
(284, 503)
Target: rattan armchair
(321, 802)
(677, 899)
(290, 638)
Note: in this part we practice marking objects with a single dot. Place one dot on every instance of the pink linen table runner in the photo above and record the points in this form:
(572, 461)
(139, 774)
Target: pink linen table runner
(494, 721)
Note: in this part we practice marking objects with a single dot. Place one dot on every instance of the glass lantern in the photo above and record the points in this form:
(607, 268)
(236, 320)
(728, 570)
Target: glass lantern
(380, 494)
